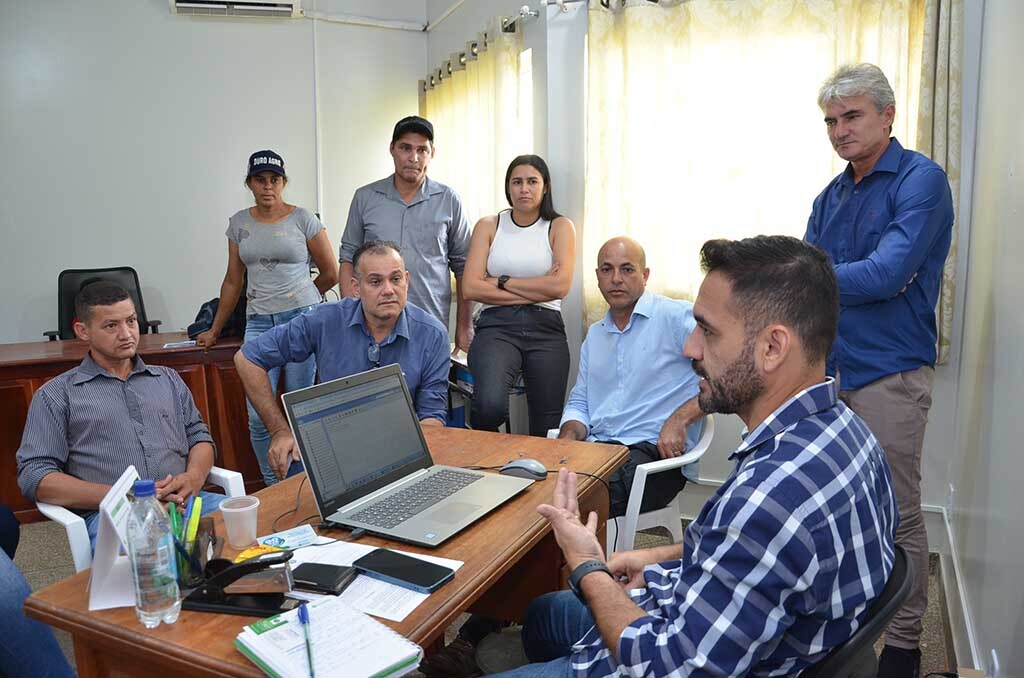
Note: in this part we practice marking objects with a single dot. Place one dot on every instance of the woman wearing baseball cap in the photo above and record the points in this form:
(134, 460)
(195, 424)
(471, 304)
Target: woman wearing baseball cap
(273, 242)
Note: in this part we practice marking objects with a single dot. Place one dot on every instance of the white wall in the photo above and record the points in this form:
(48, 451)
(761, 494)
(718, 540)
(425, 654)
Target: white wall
(126, 129)
(988, 465)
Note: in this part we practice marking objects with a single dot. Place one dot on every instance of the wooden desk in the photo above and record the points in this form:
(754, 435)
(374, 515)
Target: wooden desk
(510, 557)
(210, 375)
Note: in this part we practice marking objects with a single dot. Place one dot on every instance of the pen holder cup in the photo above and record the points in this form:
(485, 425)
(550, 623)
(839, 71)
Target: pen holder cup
(193, 557)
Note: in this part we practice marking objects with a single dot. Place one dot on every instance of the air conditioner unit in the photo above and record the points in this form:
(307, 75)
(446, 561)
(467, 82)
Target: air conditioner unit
(246, 8)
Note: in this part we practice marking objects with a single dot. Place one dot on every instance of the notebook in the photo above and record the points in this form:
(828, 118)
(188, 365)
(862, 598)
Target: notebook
(365, 648)
(369, 466)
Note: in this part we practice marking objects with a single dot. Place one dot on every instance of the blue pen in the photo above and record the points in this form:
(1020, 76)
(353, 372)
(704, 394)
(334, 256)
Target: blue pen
(188, 515)
(304, 620)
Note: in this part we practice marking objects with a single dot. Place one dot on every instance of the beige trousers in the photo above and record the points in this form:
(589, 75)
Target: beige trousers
(895, 408)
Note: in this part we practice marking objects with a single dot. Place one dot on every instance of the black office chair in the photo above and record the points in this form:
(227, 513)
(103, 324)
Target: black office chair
(70, 281)
(856, 657)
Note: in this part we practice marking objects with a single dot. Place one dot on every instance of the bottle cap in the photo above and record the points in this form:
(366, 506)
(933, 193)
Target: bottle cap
(144, 488)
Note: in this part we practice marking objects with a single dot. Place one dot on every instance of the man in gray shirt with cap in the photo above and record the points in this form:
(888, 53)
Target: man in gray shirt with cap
(424, 217)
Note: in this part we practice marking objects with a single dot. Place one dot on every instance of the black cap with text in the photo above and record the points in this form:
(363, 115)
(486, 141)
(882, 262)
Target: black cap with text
(266, 161)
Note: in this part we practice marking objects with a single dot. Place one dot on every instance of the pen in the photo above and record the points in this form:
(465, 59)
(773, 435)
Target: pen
(188, 516)
(175, 519)
(193, 522)
(304, 620)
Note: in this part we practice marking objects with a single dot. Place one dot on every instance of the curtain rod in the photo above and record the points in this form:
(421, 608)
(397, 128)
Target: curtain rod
(371, 22)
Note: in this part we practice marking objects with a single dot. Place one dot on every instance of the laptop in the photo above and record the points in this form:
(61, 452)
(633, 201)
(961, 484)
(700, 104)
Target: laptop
(369, 466)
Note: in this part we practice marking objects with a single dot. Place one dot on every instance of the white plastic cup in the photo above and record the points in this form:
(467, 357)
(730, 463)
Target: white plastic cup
(240, 515)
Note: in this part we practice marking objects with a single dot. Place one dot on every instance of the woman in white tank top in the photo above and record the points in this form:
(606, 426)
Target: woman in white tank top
(520, 267)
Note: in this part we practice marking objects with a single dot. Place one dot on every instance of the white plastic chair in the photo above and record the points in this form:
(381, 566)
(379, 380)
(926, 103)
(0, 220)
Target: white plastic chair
(670, 516)
(78, 536)
(622, 530)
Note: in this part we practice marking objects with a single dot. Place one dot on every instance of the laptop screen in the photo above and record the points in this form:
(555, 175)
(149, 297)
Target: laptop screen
(357, 434)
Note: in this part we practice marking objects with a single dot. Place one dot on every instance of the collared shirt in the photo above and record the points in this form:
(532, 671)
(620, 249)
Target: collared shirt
(780, 565)
(631, 380)
(89, 424)
(337, 334)
(888, 237)
(432, 231)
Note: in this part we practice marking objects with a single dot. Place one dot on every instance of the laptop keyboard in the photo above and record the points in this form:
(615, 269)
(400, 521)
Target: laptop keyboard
(401, 506)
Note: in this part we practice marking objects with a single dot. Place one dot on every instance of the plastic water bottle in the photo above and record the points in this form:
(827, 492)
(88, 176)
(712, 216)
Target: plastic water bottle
(154, 568)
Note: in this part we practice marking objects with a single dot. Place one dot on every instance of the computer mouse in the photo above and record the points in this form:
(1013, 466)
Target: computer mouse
(530, 469)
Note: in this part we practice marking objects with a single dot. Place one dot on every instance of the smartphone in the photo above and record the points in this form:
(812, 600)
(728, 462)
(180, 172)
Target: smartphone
(403, 570)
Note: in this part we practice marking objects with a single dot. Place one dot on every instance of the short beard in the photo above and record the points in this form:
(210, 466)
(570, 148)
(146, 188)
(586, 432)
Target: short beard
(738, 387)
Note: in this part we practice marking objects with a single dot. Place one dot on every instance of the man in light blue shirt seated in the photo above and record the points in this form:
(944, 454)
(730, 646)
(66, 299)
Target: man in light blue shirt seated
(634, 386)
(351, 336)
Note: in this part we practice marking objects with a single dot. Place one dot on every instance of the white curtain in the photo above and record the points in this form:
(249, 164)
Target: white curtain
(483, 117)
(702, 118)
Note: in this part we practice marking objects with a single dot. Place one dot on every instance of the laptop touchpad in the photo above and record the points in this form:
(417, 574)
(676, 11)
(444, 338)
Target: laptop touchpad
(453, 513)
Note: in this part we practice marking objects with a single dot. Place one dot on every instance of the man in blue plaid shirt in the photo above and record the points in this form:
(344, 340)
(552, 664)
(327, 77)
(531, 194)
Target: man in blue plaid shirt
(781, 564)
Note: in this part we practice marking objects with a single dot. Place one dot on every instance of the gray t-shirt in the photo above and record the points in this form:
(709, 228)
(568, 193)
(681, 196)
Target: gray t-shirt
(277, 259)
(432, 231)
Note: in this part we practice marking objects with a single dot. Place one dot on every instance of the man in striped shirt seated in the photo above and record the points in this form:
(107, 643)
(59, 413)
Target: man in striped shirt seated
(86, 426)
(780, 565)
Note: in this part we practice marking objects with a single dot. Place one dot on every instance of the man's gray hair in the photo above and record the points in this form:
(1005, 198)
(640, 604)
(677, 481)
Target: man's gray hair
(854, 80)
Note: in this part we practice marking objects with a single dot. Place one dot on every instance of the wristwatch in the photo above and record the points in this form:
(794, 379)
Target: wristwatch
(502, 279)
(581, 571)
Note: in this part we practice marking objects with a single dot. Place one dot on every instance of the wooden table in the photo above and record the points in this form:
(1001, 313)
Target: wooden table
(210, 375)
(510, 557)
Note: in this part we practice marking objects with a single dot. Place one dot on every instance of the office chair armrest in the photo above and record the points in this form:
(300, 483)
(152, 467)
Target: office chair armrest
(52, 334)
(231, 481)
(78, 534)
(153, 325)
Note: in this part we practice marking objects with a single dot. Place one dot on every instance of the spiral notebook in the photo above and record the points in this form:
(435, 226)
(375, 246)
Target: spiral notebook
(346, 644)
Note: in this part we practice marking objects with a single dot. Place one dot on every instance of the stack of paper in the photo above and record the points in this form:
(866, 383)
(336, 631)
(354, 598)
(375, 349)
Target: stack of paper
(346, 644)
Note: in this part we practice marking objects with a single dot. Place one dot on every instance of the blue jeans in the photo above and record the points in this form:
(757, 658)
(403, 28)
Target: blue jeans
(296, 376)
(554, 622)
(27, 647)
(211, 502)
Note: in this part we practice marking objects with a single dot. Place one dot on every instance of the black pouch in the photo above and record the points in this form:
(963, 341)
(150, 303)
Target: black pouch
(323, 578)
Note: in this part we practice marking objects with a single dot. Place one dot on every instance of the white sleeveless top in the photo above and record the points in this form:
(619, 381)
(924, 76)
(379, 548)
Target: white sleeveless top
(521, 252)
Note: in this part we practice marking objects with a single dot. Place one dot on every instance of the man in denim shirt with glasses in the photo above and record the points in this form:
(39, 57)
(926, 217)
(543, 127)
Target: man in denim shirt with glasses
(351, 336)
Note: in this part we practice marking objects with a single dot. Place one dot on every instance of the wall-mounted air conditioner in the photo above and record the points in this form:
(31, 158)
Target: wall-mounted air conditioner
(247, 8)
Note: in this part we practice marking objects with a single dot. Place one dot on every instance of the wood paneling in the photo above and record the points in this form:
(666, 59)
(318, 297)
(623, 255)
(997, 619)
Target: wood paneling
(15, 396)
(194, 377)
(229, 422)
(210, 376)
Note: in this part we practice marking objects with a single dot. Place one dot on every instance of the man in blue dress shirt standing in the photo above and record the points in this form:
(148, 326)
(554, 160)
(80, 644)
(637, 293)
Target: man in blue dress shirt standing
(886, 222)
(351, 336)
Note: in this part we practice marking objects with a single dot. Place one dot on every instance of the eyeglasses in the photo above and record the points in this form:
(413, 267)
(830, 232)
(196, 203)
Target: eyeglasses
(373, 354)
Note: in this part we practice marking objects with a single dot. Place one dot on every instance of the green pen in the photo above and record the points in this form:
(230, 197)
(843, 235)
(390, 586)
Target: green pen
(175, 522)
(172, 510)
